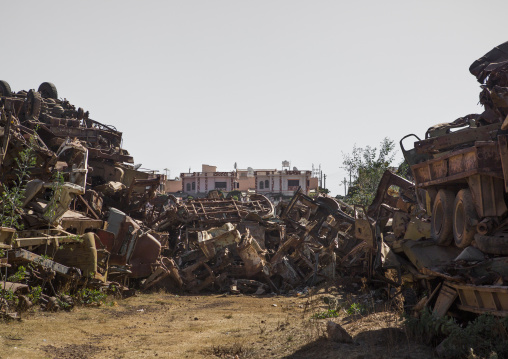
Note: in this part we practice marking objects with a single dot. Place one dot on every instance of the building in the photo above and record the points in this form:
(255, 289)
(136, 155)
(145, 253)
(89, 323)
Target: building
(173, 185)
(246, 180)
(284, 182)
(200, 183)
(271, 182)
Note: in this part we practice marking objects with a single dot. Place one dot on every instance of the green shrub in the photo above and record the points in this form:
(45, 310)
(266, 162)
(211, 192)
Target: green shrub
(484, 337)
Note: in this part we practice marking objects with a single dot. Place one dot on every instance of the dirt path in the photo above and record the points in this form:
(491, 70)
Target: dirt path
(167, 326)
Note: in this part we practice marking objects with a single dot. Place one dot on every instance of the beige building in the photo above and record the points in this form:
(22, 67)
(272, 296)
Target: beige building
(265, 181)
(284, 182)
(173, 185)
(208, 180)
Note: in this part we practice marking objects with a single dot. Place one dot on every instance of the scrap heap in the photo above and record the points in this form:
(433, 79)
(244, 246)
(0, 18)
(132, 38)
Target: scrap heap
(444, 238)
(77, 214)
(59, 169)
(453, 244)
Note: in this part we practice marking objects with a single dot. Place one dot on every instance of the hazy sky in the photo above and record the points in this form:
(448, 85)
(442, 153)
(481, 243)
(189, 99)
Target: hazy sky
(254, 82)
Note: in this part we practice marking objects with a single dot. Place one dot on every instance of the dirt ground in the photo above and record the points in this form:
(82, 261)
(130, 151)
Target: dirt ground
(165, 325)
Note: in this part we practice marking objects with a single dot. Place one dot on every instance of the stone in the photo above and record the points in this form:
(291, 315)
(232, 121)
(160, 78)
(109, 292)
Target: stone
(337, 334)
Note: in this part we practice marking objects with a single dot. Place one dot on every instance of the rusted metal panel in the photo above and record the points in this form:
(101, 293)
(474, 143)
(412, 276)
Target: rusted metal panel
(445, 299)
(482, 299)
(459, 165)
(217, 238)
(21, 255)
(452, 140)
(427, 254)
(81, 254)
(6, 235)
(417, 229)
(383, 196)
(251, 254)
(488, 196)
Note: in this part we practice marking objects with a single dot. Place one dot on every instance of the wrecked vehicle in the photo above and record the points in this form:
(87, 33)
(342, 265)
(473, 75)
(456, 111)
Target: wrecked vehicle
(460, 171)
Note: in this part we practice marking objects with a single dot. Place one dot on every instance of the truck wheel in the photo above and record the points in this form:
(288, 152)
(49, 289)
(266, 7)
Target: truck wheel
(48, 90)
(5, 89)
(441, 228)
(492, 244)
(464, 218)
(33, 105)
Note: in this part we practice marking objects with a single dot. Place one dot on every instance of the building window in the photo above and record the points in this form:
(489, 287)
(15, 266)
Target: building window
(266, 184)
(188, 187)
(193, 186)
(237, 185)
(261, 185)
(220, 185)
(293, 183)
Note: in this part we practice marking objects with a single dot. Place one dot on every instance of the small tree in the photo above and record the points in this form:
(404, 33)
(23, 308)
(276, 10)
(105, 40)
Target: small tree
(366, 167)
(12, 197)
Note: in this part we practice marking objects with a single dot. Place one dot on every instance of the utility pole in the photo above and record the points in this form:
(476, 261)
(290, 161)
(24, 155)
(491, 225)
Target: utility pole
(324, 185)
(345, 186)
(167, 169)
(320, 176)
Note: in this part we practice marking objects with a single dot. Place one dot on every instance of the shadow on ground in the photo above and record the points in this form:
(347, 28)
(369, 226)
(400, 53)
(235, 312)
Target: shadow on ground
(389, 343)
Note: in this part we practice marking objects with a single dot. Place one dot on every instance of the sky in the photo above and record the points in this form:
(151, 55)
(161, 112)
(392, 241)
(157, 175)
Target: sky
(254, 82)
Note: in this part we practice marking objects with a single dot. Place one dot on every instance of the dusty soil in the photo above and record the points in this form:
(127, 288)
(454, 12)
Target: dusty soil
(165, 325)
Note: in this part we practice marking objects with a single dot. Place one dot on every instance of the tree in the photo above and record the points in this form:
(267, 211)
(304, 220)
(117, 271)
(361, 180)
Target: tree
(366, 167)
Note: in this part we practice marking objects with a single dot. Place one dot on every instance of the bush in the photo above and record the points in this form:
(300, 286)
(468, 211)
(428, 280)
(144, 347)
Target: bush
(485, 337)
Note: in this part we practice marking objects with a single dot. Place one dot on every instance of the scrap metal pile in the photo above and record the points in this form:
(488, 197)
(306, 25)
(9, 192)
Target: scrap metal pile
(460, 172)
(60, 173)
(77, 214)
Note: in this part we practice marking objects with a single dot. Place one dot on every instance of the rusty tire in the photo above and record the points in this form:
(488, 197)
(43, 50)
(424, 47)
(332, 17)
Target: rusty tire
(5, 88)
(496, 244)
(48, 90)
(442, 217)
(464, 218)
(33, 105)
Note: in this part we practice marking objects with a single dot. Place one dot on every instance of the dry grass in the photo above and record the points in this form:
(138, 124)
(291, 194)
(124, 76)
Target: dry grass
(165, 325)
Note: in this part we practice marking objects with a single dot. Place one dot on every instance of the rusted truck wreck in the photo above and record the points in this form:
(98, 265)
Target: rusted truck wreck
(460, 171)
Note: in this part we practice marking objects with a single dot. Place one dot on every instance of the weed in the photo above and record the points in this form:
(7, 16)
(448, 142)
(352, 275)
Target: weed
(237, 349)
(229, 316)
(12, 197)
(89, 296)
(56, 188)
(63, 304)
(19, 276)
(35, 294)
(8, 298)
(356, 308)
(330, 313)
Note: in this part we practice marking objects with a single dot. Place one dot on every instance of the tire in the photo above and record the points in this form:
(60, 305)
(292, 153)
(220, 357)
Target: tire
(463, 214)
(48, 90)
(5, 88)
(33, 105)
(497, 244)
(441, 228)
